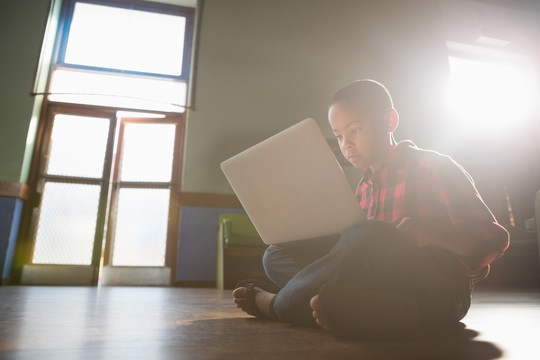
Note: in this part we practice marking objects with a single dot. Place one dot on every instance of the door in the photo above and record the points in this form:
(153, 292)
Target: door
(72, 191)
(143, 212)
(106, 197)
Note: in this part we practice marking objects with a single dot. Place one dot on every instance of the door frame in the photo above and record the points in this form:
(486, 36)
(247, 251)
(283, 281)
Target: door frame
(25, 243)
(145, 275)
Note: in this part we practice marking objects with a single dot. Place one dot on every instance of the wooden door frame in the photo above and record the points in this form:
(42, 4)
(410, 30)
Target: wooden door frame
(176, 176)
(25, 243)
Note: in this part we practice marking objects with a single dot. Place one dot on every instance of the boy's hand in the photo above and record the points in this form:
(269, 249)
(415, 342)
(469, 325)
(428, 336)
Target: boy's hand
(410, 226)
(436, 235)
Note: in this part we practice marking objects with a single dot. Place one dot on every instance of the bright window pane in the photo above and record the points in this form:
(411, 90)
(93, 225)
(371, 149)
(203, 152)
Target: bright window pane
(67, 224)
(126, 39)
(490, 95)
(147, 153)
(78, 146)
(118, 91)
(141, 227)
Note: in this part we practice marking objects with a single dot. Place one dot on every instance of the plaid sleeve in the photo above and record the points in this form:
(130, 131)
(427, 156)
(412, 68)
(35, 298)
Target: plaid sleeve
(455, 190)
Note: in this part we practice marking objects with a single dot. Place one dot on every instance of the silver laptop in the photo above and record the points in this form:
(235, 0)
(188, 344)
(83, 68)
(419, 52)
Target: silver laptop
(292, 186)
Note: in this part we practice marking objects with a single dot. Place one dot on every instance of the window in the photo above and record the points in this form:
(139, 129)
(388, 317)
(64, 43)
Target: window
(124, 55)
(490, 92)
(125, 40)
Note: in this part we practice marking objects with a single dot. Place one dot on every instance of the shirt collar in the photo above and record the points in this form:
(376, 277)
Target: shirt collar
(393, 158)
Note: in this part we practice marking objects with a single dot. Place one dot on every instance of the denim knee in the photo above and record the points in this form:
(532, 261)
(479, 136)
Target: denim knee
(269, 257)
(293, 309)
(275, 265)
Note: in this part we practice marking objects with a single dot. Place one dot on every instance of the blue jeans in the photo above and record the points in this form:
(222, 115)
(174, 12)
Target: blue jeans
(371, 254)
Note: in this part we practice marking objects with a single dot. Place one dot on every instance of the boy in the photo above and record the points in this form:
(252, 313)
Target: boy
(429, 237)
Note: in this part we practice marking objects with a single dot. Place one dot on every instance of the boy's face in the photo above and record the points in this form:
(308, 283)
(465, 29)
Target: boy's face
(362, 138)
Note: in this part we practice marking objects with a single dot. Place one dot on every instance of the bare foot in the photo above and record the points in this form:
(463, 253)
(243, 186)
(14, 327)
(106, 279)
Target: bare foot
(263, 301)
(314, 302)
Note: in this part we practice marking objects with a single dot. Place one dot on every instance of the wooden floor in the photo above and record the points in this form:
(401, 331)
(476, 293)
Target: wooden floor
(182, 323)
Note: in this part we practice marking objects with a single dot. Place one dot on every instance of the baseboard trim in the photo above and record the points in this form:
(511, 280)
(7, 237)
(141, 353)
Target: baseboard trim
(69, 275)
(195, 284)
(209, 200)
(13, 189)
(135, 276)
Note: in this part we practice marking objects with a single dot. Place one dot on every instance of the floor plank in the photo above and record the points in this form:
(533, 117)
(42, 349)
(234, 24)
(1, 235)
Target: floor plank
(183, 323)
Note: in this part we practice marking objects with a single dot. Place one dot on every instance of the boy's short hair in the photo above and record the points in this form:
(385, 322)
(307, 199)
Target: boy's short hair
(366, 93)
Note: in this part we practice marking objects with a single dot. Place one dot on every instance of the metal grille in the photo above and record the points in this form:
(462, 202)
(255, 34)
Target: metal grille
(141, 227)
(67, 224)
(78, 146)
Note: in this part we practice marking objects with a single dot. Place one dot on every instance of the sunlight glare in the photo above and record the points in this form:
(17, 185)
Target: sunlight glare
(489, 95)
(126, 39)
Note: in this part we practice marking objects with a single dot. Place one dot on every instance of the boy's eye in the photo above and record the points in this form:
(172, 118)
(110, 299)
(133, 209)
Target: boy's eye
(356, 130)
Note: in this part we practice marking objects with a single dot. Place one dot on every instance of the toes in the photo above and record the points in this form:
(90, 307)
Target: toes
(239, 292)
(241, 303)
(314, 303)
(317, 318)
(240, 299)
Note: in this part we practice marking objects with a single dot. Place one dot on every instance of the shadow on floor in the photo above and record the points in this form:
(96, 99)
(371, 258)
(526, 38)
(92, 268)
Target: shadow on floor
(259, 339)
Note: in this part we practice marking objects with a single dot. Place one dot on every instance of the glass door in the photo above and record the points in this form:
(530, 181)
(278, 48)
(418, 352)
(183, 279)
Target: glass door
(72, 190)
(107, 208)
(139, 221)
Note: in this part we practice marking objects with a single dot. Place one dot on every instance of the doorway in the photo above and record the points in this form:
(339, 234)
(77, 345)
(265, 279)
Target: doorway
(105, 208)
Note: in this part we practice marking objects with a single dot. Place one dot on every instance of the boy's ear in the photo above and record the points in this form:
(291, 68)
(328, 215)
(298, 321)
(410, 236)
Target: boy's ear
(393, 120)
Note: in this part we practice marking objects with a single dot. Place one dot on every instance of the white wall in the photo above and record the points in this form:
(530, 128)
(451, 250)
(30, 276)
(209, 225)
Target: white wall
(264, 65)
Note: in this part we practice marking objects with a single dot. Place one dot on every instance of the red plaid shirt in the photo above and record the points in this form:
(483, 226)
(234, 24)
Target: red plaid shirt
(424, 184)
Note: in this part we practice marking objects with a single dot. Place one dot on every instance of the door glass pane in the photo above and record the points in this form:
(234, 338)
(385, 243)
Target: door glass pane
(147, 152)
(140, 235)
(67, 224)
(126, 39)
(78, 146)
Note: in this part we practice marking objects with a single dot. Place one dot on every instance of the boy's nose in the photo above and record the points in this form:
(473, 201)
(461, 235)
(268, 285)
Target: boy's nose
(347, 142)
(346, 146)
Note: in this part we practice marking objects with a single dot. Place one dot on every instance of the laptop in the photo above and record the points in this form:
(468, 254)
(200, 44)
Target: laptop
(292, 186)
